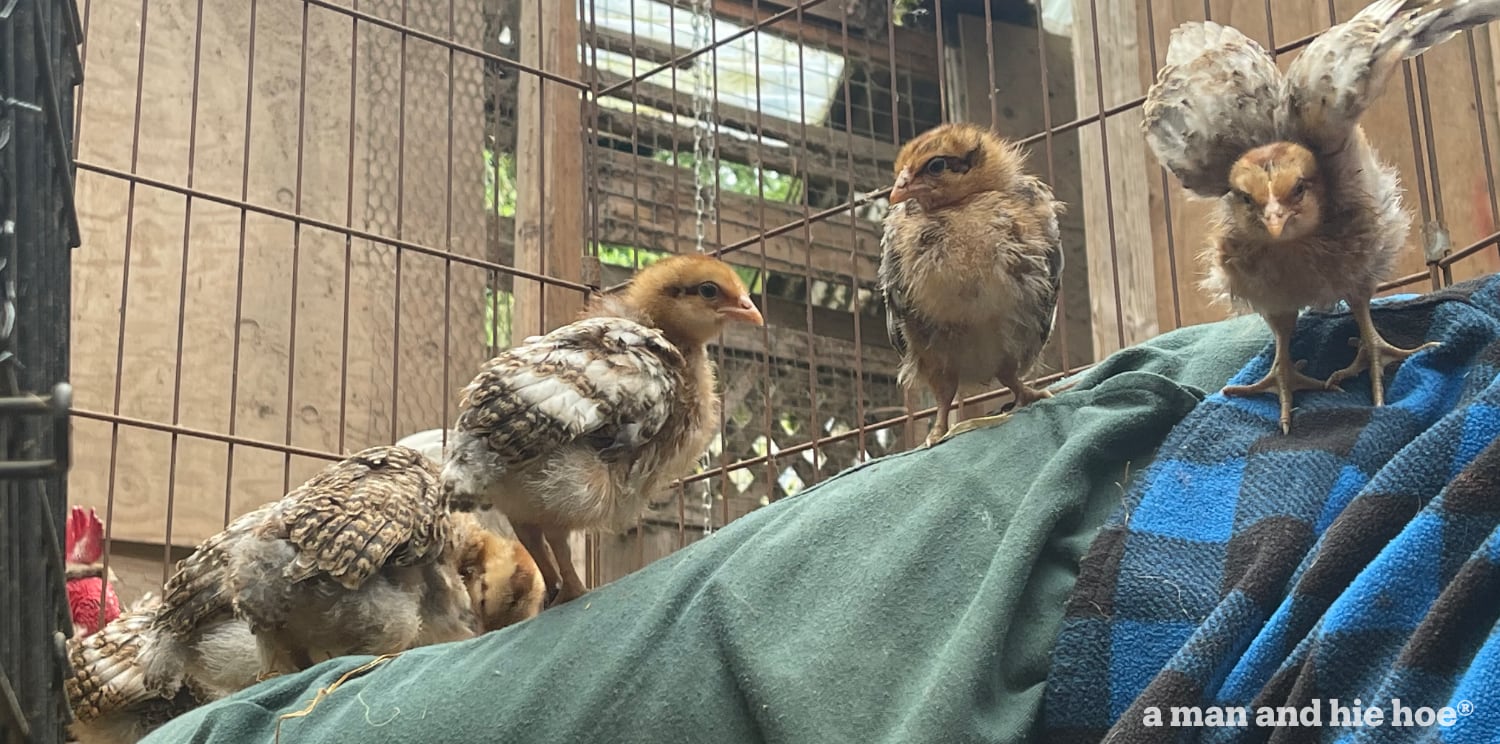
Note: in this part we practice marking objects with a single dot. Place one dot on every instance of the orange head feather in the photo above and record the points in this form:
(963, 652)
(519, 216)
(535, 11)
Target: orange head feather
(503, 582)
(1277, 189)
(950, 163)
(689, 298)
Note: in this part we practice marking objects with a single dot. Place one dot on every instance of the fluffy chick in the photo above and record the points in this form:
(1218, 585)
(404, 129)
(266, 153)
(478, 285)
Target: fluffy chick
(107, 690)
(500, 576)
(499, 571)
(971, 265)
(578, 428)
(363, 558)
(1307, 214)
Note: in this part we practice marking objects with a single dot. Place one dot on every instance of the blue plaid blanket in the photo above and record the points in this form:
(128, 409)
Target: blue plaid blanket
(1340, 584)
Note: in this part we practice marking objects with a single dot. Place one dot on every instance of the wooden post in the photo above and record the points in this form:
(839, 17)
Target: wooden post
(549, 182)
(549, 170)
(1131, 252)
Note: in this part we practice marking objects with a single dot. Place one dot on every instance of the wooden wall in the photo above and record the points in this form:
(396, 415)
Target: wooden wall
(353, 170)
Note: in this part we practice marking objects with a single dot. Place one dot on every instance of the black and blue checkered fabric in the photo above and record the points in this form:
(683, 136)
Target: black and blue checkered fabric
(1356, 558)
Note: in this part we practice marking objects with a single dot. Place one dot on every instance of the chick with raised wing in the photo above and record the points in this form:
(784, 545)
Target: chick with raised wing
(363, 558)
(1307, 214)
(576, 429)
(971, 265)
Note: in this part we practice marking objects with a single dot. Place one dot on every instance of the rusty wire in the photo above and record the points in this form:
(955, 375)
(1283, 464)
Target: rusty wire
(805, 221)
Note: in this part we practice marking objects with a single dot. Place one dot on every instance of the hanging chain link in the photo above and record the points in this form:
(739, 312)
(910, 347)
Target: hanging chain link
(705, 169)
(705, 157)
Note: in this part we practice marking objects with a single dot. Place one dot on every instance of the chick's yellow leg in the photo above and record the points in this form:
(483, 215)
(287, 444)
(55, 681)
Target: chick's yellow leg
(1025, 394)
(530, 536)
(1286, 376)
(1374, 352)
(572, 585)
(944, 389)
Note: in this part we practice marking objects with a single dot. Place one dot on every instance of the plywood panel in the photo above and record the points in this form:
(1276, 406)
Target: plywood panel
(1121, 259)
(390, 156)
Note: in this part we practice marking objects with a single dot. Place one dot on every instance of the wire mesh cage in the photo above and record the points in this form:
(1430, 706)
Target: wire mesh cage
(39, 69)
(310, 221)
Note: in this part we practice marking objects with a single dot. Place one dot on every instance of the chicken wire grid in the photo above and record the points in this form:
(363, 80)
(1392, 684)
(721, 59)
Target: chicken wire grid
(307, 222)
(38, 72)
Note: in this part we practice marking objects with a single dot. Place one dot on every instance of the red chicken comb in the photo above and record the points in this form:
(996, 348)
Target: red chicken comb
(85, 536)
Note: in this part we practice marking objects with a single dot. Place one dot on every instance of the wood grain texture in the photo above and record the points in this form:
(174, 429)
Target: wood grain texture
(1121, 259)
(281, 387)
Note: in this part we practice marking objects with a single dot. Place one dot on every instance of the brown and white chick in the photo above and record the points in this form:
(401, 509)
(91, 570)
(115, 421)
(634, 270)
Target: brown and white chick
(578, 428)
(107, 690)
(363, 558)
(1307, 214)
(971, 265)
(502, 576)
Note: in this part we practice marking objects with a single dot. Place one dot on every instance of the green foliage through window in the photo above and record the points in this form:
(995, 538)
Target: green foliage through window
(742, 179)
(498, 305)
(500, 182)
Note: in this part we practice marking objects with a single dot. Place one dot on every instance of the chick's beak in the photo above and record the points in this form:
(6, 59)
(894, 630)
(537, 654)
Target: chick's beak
(744, 311)
(899, 191)
(1275, 218)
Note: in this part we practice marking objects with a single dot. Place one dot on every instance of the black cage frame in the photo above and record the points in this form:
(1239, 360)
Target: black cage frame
(39, 72)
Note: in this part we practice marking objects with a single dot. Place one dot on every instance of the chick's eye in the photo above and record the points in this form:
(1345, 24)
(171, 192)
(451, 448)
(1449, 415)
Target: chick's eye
(708, 290)
(1299, 189)
(937, 166)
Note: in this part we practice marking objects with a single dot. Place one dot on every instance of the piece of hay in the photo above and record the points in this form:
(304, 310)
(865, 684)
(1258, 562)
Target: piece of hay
(326, 691)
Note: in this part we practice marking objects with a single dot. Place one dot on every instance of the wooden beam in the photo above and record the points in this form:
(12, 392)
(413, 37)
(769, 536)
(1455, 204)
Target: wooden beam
(650, 131)
(656, 93)
(650, 52)
(549, 169)
(1121, 258)
(642, 205)
(915, 51)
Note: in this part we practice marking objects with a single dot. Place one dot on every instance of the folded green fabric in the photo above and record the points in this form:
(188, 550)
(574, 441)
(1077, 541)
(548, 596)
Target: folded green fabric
(915, 598)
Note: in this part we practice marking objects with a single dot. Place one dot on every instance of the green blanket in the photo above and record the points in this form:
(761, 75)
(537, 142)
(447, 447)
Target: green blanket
(915, 598)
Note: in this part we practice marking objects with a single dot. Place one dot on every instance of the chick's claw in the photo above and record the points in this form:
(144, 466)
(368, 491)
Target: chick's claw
(1285, 379)
(1374, 356)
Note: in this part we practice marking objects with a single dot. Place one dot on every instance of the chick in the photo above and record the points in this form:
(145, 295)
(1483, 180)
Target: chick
(971, 265)
(1307, 214)
(503, 554)
(362, 558)
(578, 428)
(107, 690)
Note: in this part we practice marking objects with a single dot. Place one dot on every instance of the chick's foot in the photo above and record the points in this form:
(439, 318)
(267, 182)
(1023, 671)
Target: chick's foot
(1285, 378)
(1374, 354)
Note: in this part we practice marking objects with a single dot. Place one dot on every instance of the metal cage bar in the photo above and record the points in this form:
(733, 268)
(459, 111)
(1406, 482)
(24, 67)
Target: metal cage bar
(39, 68)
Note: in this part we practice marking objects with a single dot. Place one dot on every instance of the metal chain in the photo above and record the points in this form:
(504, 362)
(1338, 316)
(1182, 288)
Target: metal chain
(705, 157)
(705, 167)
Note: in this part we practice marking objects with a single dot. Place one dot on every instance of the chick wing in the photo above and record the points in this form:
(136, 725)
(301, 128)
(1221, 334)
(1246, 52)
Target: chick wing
(381, 506)
(1329, 86)
(1214, 99)
(604, 379)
